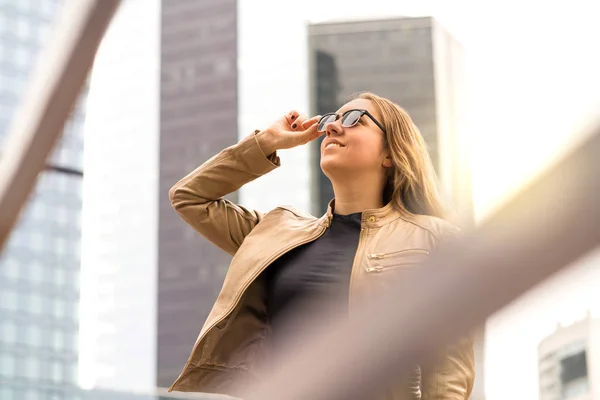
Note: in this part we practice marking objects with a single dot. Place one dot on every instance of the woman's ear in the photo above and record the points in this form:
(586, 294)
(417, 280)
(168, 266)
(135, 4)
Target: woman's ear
(387, 162)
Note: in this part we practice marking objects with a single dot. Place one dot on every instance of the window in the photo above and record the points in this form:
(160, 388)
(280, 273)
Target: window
(57, 371)
(7, 365)
(36, 272)
(6, 393)
(23, 30)
(574, 374)
(36, 303)
(8, 299)
(37, 241)
(32, 368)
(8, 331)
(8, 268)
(23, 57)
(59, 308)
(59, 276)
(61, 247)
(58, 339)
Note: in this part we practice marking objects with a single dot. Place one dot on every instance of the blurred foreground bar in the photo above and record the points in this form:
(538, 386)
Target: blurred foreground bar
(55, 85)
(550, 224)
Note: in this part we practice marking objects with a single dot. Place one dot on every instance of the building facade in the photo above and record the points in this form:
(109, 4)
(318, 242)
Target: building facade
(569, 362)
(40, 264)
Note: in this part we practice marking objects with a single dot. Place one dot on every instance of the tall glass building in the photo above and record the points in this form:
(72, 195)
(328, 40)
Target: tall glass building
(39, 266)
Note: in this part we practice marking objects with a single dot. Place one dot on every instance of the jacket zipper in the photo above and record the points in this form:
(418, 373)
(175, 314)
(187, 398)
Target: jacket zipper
(380, 268)
(380, 256)
(239, 295)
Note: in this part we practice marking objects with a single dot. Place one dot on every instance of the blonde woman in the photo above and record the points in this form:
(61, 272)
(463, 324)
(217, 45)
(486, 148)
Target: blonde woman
(386, 214)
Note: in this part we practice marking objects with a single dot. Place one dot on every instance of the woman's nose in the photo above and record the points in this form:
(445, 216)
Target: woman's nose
(334, 128)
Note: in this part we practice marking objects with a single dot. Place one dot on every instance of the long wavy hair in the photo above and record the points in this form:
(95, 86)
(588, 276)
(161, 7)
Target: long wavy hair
(412, 184)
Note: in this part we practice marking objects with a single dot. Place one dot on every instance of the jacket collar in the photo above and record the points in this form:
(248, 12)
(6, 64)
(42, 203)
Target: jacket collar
(372, 218)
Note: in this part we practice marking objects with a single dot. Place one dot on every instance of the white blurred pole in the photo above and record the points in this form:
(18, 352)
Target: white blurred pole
(53, 91)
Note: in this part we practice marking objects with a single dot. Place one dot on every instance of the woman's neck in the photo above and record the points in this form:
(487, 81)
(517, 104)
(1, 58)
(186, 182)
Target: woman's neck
(357, 197)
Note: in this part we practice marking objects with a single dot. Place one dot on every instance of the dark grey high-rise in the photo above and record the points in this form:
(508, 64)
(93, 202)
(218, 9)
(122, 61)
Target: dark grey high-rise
(415, 63)
(163, 100)
(198, 117)
(412, 61)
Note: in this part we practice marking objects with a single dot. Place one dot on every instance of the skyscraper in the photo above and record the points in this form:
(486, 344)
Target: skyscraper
(569, 360)
(163, 99)
(417, 64)
(39, 267)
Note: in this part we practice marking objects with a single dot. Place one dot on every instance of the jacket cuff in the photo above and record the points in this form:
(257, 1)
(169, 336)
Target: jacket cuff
(248, 152)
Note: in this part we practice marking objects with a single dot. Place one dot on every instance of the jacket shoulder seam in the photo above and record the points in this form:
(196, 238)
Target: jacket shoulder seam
(433, 234)
(294, 211)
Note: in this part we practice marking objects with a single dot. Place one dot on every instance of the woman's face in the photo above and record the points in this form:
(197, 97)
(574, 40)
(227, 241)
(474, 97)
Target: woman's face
(355, 150)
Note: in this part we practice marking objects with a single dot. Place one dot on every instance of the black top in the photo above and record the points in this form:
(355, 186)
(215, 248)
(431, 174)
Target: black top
(313, 273)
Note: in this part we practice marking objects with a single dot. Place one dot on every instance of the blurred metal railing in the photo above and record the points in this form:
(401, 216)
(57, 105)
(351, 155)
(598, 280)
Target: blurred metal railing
(544, 228)
(60, 74)
(550, 224)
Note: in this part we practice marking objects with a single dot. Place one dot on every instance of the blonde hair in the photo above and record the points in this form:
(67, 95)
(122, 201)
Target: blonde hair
(412, 185)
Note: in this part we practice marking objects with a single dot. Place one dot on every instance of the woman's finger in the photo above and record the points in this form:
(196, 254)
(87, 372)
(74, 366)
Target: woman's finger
(309, 134)
(297, 124)
(309, 122)
(291, 117)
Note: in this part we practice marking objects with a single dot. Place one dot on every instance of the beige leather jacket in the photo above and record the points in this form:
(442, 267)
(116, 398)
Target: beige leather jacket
(231, 340)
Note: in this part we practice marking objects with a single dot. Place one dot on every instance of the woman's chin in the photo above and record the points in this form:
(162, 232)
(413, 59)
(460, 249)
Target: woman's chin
(331, 164)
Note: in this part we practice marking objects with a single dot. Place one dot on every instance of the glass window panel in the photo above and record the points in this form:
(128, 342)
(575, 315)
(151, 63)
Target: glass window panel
(33, 394)
(23, 30)
(59, 276)
(71, 373)
(71, 341)
(43, 31)
(57, 371)
(8, 299)
(7, 365)
(61, 246)
(22, 57)
(9, 268)
(8, 331)
(37, 241)
(7, 21)
(36, 303)
(36, 271)
(58, 339)
(75, 280)
(32, 368)
(6, 393)
(59, 308)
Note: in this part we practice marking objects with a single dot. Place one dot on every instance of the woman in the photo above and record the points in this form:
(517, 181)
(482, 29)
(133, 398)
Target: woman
(386, 213)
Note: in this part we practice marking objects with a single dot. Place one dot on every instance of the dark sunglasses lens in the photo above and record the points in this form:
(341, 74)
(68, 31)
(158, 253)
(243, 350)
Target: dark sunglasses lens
(327, 119)
(351, 118)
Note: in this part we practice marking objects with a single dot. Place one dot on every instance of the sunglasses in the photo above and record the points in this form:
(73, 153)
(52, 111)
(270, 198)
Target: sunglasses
(349, 119)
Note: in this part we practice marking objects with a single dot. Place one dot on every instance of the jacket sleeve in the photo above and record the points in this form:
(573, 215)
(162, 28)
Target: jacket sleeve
(453, 375)
(198, 197)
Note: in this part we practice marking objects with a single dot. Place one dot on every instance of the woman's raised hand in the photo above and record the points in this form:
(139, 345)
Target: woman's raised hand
(291, 130)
